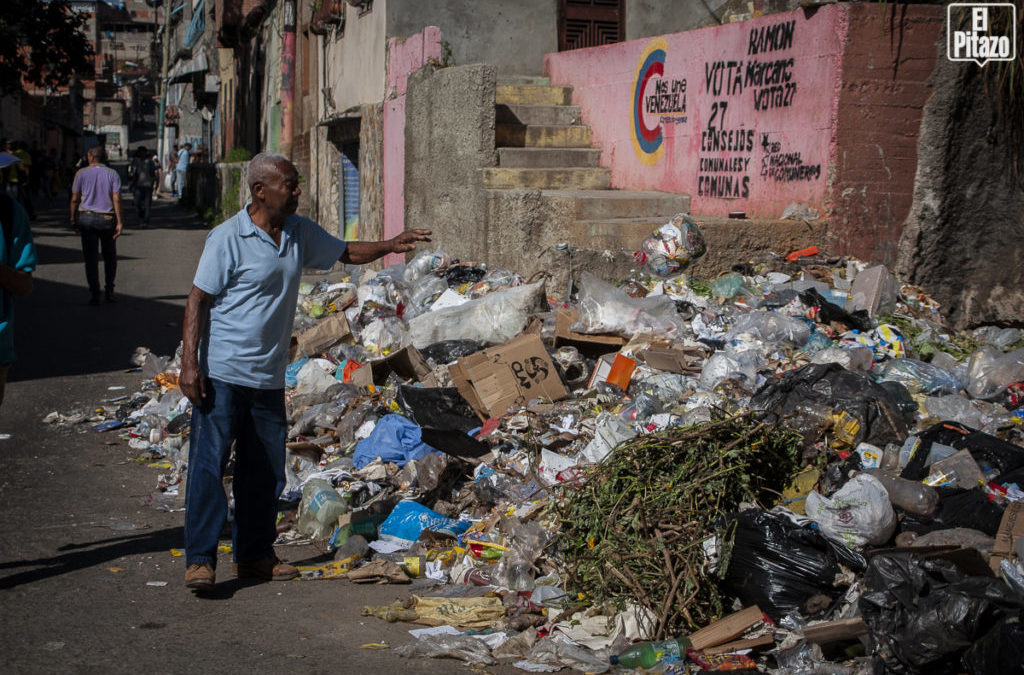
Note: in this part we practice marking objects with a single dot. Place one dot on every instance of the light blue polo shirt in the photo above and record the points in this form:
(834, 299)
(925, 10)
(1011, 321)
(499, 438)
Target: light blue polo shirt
(255, 287)
(22, 257)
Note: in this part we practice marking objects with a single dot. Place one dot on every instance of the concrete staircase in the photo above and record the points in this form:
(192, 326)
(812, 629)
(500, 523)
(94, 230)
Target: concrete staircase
(542, 145)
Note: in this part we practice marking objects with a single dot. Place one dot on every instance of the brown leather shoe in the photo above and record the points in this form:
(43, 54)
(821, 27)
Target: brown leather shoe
(267, 569)
(200, 576)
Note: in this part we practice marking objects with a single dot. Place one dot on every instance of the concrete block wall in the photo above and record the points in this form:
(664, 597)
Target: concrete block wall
(449, 136)
(890, 55)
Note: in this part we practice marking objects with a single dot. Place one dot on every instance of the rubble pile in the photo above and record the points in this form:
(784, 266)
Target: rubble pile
(794, 467)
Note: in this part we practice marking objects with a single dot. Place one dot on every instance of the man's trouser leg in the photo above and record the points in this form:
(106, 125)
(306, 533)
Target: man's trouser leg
(109, 246)
(91, 253)
(4, 369)
(259, 475)
(215, 426)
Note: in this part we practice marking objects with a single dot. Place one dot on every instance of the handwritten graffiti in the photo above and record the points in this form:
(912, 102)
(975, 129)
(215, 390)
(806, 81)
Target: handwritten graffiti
(530, 372)
(782, 166)
(771, 38)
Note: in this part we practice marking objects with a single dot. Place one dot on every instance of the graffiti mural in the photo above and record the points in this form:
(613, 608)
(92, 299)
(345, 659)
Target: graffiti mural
(739, 116)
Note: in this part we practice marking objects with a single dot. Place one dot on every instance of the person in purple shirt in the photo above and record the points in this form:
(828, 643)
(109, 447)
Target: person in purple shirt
(96, 216)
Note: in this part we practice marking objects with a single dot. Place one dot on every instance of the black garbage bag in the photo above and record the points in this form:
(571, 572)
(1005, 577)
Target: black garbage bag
(1001, 650)
(447, 351)
(828, 312)
(987, 450)
(923, 614)
(437, 408)
(779, 565)
(458, 274)
(830, 385)
(958, 508)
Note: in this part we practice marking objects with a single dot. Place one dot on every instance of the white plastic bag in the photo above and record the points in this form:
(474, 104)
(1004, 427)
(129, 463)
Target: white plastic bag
(990, 371)
(493, 319)
(315, 376)
(606, 309)
(858, 514)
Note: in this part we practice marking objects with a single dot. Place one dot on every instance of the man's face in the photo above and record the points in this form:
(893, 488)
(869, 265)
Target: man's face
(281, 192)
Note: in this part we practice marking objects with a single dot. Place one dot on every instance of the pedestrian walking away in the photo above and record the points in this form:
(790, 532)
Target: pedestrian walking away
(142, 172)
(181, 169)
(235, 344)
(17, 262)
(96, 216)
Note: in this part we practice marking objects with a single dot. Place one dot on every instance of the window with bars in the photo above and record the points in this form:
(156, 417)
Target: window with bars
(590, 23)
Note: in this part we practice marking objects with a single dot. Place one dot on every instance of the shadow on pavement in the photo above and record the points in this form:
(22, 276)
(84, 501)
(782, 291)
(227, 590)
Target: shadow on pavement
(151, 542)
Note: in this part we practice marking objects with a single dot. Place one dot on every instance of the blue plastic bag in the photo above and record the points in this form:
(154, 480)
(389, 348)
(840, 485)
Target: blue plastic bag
(394, 439)
(291, 373)
(409, 519)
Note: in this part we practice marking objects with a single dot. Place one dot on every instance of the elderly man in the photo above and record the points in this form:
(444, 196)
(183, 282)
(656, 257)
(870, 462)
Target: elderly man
(236, 332)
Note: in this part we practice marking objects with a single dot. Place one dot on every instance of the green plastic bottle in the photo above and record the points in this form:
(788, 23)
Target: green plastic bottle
(649, 654)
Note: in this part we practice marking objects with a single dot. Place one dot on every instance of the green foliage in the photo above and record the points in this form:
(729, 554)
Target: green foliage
(42, 43)
(633, 532)
(447, 57)
(237, 155)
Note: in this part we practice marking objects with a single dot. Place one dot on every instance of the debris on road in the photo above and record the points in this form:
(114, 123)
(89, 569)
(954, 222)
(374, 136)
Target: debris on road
(795, 467)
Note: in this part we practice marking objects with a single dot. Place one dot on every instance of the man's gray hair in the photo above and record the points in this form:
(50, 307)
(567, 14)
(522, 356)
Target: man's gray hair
(263, 167)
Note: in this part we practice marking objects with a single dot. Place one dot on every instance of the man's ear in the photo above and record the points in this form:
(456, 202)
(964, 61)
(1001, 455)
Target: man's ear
(257, 188)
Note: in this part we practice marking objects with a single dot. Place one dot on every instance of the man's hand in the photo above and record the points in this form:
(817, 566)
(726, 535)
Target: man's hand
(191, 383)
(406, 241)
(117, 229)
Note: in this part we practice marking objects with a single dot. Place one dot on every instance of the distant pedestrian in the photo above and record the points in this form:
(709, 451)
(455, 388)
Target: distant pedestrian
(96, 215)
(16, 177)
(142, 172)
(17, 262)
(181, 168)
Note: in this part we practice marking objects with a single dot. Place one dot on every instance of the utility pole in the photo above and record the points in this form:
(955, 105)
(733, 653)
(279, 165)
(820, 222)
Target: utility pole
(163, 84)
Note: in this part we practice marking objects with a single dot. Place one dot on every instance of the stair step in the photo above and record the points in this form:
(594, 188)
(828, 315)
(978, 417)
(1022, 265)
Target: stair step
(595, 205)
(524, 79)
(545, 115)
(546, 179)
(614, 233)
(542, 136)
(548, 158)
(532, 94)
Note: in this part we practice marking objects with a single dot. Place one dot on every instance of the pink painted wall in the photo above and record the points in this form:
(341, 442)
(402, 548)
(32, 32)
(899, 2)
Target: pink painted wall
(742, 116)
(404, 57)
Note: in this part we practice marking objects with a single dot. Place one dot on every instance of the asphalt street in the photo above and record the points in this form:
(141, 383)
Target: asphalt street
(88, 580)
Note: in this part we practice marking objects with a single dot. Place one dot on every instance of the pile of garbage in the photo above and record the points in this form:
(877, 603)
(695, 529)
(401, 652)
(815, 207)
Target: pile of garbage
(794, 467)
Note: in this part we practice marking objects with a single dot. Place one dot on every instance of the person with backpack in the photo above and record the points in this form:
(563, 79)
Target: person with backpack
(142, 172)
(17, 262)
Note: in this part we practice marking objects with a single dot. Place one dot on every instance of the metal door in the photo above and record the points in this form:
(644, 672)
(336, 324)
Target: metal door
(590, 23)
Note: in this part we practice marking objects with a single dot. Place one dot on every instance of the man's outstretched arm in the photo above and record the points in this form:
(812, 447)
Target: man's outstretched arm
(362, 252)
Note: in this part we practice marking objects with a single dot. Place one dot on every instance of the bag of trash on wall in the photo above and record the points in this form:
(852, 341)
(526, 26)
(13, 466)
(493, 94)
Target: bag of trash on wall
(672, 247)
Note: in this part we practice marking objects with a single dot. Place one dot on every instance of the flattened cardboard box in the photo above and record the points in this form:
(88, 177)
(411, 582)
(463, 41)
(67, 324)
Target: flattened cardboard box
(507, 375)
(583, 341)
(321, 337)
(407, 363)
(1011, 528)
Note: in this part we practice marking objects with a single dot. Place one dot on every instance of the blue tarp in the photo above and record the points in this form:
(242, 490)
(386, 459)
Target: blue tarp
(394, 439)
(198, 25)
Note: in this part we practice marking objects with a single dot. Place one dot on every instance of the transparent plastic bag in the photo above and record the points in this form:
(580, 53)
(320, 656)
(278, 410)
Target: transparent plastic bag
(496, 279)
(722, 366)
(492, 319)
(990, 371)
(383, 335)
(851, 358)
(462, 647)
(426, 263)
(606, 309)
(672, 247)
(426, 291)
(729, 286)
(919, 377)
(771, 327)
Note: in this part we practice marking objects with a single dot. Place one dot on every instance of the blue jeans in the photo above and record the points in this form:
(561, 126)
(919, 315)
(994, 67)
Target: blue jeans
(179, 187)
(255, 420)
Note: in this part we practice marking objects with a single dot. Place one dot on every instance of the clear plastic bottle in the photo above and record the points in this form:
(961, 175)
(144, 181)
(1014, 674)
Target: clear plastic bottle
(909, 495)
(319, 510)
(650, 654)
